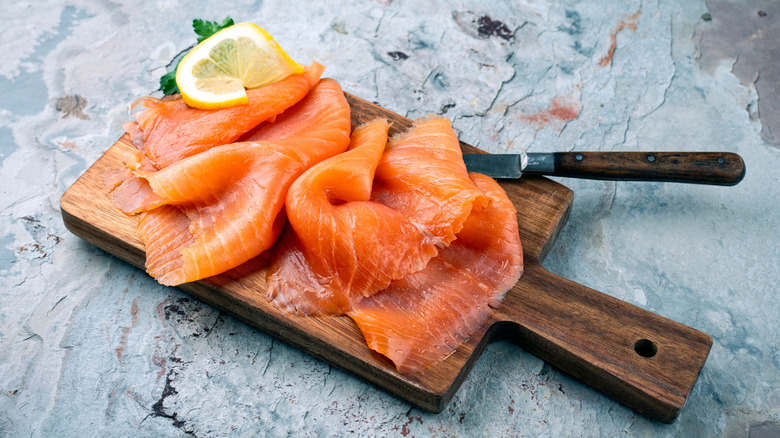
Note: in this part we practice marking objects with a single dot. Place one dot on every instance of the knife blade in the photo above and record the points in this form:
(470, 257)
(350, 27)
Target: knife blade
(717, 168)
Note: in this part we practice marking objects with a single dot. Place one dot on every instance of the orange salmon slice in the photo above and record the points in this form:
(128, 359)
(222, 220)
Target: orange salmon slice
(422, 318)
(224, 205)
(340, 246)
(169, 130)
(422, 175)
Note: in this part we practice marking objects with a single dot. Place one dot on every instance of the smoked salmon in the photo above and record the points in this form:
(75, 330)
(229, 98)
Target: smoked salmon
(369, 216)
(169, 130)
(395, 233)
(341, 247)
(224, 206)
(422, 175)
(130, 193)
(421, 319)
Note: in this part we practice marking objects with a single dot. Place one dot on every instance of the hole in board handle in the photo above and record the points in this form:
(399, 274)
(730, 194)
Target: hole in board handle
(645, 348)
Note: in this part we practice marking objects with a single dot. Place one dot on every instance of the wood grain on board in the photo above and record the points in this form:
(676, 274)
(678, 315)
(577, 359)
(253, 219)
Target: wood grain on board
(645, 361)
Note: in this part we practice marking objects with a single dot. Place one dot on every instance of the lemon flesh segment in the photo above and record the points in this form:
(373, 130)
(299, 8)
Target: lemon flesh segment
(217, 71)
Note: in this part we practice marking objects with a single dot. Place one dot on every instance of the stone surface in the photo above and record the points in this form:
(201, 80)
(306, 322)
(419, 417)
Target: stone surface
(91, 346)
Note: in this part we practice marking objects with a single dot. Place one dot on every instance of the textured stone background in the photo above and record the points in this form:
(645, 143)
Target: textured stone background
(90, 346)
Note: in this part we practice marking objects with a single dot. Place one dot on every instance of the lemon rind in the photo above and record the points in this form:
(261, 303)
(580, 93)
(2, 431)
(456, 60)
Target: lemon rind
(195, 97)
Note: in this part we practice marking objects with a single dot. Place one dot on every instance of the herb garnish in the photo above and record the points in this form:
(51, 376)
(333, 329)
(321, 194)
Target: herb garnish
(203, 29)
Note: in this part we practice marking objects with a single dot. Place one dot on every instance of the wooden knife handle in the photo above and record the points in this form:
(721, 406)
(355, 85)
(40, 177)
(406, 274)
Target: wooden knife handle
(643, 360)
(719, 168)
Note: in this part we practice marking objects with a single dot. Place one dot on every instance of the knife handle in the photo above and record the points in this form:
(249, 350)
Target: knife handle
(719, 168)
(643, 360)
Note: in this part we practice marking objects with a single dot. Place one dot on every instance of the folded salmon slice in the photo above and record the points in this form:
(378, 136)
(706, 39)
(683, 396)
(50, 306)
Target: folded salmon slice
(224, 206)
(169, 130)
(130, 193)
(422, 318)
(292, 122)
(351, 236)
(339, 246)
(422, 175)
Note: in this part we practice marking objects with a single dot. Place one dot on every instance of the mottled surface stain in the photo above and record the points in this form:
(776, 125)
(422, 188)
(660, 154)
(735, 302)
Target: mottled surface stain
(43, 241)
(7, 255)
(398, 55)
(72, 106)
(68, 145)
(488, 27)
(161, 314)
(482, 26)
(626, 23)
(120, 349)
(440, 81)
(747, 34)
(766, 429)
(339, 27)
(574, 23)
(561, 110)
(159, 410)
(7, 144)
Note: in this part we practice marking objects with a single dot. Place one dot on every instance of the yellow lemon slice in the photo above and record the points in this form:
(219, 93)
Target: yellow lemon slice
(217, 72)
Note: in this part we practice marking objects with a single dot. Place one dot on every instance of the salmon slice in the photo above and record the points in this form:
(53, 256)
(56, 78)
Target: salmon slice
(169, 130)
(224, 206)
(339, 246)
(129, 192)
(293, 121)
(421, 319)
(422, 175)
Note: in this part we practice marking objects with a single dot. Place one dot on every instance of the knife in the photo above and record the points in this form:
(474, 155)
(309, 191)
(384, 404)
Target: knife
(718, 168)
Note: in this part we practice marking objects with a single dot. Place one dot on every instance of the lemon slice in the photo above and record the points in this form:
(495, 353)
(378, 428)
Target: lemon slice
(217, 72)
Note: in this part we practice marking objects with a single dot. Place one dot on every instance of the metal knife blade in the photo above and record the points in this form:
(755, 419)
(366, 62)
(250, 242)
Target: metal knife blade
(718, 168)
(496, 165)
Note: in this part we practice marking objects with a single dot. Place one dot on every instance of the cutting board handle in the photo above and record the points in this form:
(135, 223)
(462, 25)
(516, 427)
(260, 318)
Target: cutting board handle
(645, 361)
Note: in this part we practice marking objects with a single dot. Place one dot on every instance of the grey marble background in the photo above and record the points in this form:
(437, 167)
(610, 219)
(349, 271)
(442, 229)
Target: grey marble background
(90, 346)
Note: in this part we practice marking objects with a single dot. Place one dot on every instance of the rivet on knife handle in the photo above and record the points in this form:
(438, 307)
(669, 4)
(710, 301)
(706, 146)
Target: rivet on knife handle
(720, 168)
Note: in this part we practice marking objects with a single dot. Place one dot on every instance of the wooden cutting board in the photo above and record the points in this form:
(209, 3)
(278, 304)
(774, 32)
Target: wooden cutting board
(645, 361)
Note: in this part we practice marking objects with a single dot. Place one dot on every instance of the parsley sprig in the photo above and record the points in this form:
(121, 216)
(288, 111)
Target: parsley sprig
(203, 29)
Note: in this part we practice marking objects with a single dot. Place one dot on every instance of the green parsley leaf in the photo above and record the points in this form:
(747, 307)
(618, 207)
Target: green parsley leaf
(168, 83)
(203, 29)
(206, 29)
